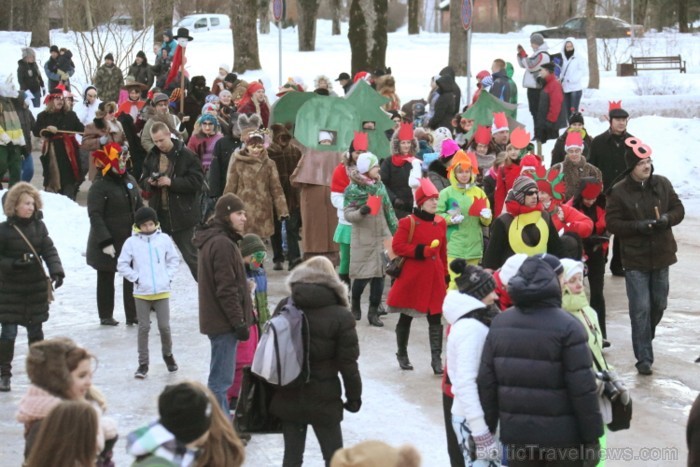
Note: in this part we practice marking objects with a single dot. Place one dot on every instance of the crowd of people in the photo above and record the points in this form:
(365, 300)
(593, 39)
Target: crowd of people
(475, 231)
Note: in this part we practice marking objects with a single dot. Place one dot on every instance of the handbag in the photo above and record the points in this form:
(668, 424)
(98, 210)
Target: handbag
(395, 264)
(621, 411)
(253, 409)
(38, 258)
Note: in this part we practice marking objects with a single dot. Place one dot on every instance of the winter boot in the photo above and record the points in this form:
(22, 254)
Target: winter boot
(373, 317)
(435, 337)
(356, 310)
(381, 310)
(170, 363)
(5, 383)
(7, 353)
(401, 344)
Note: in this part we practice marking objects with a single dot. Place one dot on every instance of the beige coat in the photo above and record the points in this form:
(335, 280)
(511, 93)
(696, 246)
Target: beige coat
(256, 182)
(366, 244)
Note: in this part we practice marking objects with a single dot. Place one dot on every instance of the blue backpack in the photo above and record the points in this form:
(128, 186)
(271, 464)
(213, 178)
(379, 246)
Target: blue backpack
(558, 62)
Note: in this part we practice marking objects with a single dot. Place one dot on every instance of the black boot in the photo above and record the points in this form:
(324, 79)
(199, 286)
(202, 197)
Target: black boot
(345, 278)
(401, 344)
(373, 317)
(381, 310)
(356, 310)
(435, 336)
(7, 353)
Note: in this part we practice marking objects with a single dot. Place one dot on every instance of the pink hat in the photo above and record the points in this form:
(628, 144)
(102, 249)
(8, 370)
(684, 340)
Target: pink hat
(449, 148)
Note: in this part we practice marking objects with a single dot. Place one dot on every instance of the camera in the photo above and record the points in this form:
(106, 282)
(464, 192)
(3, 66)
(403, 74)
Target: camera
(156, 175)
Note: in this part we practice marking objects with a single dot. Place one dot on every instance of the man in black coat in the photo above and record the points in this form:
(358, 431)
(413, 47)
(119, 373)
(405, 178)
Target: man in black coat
(608, 154)
(29, 76)
(641, 209)
(172, 182)
(535, 375)
(447, 104)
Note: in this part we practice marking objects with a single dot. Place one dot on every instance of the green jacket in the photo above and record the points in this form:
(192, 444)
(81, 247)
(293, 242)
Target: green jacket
(109, 81)
(578, 306)
(464, 240)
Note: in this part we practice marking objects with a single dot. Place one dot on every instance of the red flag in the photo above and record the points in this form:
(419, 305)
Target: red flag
(175, 66)
(477, 206)
(374, 202)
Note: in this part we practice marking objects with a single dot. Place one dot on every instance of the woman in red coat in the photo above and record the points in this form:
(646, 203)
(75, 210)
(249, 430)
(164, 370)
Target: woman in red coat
(421, 287)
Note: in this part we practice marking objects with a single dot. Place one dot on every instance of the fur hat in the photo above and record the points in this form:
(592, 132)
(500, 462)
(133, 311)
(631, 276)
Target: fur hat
(251, 243)
(537, 39)
(228, 204)
(47, 365)
(145, 214)
(245, 125)
(184, 411)
(12, 197)
(472, 280)
(318, 270)
(376, 454)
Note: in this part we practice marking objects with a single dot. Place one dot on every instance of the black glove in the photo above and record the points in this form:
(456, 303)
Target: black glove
(591, 454)
(353, 405)
(399, 204)
(57, 281)
(242, 332)
(662, 223)
(645, 227)
(364, 210)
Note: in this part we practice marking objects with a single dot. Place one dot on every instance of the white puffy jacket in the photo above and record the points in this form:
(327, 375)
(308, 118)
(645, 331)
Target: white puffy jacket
(573, 69)
(532, 65)
(465, 344)
(149, 261)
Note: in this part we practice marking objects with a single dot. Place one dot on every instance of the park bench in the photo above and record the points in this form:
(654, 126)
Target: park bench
(658, 63)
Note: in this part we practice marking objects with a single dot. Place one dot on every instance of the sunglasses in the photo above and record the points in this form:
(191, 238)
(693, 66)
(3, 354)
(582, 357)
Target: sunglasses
(532, 193)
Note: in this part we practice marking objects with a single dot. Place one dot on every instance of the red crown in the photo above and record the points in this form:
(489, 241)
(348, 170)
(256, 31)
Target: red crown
(482, 135)
(359, 142)
(406, 132)
(614, 105)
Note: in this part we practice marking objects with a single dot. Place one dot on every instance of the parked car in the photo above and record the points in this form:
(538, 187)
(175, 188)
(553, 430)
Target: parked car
(204, 22)
(606, 27)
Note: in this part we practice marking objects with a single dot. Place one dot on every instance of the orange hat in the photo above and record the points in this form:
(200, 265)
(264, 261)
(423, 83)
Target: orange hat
(482, 135)
(463, 161)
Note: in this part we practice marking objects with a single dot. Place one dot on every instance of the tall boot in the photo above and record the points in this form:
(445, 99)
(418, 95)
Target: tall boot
(7, 353)
(402, 334)
(356, 309)
(435, 337)
(373, 317)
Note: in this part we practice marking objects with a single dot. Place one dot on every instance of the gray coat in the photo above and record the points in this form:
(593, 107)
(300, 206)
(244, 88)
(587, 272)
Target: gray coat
(366, 244)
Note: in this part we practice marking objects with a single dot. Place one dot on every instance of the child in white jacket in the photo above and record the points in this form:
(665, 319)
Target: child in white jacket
(149, 260)
(469, 311)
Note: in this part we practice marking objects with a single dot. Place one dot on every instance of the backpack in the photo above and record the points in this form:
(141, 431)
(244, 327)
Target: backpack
(282, 355)
(558, 62)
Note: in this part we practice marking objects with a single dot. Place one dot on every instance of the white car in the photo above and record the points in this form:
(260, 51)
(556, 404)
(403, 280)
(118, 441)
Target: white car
(204, 22)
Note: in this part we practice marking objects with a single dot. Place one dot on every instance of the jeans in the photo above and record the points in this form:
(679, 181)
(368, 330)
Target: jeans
(376, 289)
(330, 438)
(36, 99)
(143, 311)
(461, 429)
(222, 366)
(456, 458)
(105, 296)
(293, 228)
(647, 293)
(572, 100)
(27, 168)
(183, 240)
(8, 334)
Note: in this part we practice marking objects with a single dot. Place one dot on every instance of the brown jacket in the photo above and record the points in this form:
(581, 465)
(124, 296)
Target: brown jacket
(224, 300)
(286, 157)
(256, 182)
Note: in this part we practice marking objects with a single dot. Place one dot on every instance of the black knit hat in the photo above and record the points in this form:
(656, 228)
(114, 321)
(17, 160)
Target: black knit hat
(576, 117)
(145, 214)
(251, 243)
(549, 66)
(472, 280)
(231, 78)
(184, 411)
(228, 204)
(53, 49)
(109, 56)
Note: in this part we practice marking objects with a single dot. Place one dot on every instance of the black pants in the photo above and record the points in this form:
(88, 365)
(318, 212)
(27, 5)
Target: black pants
(528, 456)
(616, 260)
(456, 457)
(405, 322)
(533, 101)
(329, 437)
(596, 279)
(293, 229)
(376, 289)
(183, 240)
(105, 296)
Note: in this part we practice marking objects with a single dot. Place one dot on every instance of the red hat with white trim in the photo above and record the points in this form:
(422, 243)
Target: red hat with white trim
(500, 123)
(573, 140)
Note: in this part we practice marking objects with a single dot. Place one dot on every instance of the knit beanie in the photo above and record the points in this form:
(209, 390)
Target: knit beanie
(53, 49)
(472, 280)
(576, 117)
(511, 266)
(571, 267)
(521, 186)
(145, 214)
(251, 243)
(225, 67)
(109, 56)
(537, 39)
(366, 161)
(28, 52)
(184, 411)
(552, 261)
(226, 205)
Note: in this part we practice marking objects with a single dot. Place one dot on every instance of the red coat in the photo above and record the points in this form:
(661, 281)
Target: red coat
(421, 285)
(574, 221)
(505, 177)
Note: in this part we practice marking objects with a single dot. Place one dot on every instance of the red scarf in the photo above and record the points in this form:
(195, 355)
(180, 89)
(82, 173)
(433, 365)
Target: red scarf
(69, 142)
(400, 160)
(515, 209)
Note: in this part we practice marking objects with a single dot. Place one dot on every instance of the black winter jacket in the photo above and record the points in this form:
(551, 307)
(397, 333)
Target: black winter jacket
(142, 73)
(29, 77)
(559, 151)
(631, 201)
(218, 170)
(535, 375)
(395, 180)
(183, 208)
(608, 154)
(447, 104)
(333, 349)
(23, 290)
(112, 202)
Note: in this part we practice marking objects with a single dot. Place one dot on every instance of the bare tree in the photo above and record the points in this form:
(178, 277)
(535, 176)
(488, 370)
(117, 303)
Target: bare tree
(502, 6)
(308, 10)
(245, 37)
(367, 34)
(162, 11)
(414, 9)
(264, 16)
(593, 73)
(337, 11)
(458, 40)
(40, 24)
(683, 16)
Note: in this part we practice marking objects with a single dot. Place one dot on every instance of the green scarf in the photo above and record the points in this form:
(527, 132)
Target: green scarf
(357, 193)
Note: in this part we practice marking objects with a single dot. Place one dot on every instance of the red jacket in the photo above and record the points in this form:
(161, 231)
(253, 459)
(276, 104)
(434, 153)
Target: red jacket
(505, 178)
(421, 285)
(340, 179)
(574, 220)
(556, 97)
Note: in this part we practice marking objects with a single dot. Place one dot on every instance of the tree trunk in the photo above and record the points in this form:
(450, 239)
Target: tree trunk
(368, 34)
(162, 11)
(264, 12)
(245, 37)
(337, 11)
(502, 13)
(66, 15)
(593, 73)
(88, 15)
(40, 25)
(458, 40)
(683, 16)
(308, 9)
(413, 13)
